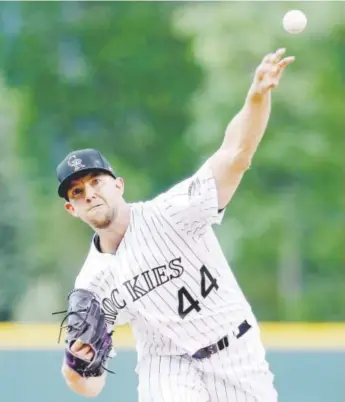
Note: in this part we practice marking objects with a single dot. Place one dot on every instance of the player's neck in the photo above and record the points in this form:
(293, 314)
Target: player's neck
(111, 237)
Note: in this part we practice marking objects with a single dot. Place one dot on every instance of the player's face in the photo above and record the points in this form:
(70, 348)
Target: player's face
(95, 199)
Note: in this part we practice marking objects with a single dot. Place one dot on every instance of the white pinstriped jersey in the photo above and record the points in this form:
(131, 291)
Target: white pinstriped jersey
(169, 278)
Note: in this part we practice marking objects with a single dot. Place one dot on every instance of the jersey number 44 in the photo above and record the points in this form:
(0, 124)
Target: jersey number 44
(186, 303)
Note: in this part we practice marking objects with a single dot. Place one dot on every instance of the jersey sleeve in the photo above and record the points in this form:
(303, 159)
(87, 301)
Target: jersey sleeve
(192, 205)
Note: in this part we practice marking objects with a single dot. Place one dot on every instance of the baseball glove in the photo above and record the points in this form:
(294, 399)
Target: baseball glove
(86, 323)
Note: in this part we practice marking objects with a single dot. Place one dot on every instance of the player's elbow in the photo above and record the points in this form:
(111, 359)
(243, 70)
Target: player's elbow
(96, 388)
(241, 163)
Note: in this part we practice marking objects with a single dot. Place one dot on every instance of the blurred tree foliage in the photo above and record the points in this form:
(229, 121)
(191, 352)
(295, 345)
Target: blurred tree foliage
(14, 222)
(112, 76)
(153, 85)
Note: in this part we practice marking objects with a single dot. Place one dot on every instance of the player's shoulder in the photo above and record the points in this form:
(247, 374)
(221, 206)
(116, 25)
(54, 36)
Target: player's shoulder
(142, 209)
(187, 185)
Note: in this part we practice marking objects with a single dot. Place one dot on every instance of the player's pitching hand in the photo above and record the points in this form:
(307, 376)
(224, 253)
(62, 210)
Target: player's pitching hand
(268, 74)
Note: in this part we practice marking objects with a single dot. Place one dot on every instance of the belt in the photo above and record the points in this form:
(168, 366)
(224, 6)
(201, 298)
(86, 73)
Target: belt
(221, 344)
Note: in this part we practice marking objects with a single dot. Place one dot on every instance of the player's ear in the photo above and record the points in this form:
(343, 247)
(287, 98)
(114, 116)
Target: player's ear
(70, 209)
(120, 184)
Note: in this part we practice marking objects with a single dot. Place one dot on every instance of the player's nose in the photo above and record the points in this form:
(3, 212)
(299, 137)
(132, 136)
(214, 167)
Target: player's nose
(90, 193)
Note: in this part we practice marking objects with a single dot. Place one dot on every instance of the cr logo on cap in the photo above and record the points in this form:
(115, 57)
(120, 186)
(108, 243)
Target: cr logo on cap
(75, 163)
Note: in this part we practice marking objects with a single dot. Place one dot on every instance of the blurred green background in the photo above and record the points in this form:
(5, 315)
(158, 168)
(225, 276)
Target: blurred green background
(153, 85)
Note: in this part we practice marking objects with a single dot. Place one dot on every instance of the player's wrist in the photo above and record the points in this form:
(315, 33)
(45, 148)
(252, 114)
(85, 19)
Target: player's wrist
(257, 96)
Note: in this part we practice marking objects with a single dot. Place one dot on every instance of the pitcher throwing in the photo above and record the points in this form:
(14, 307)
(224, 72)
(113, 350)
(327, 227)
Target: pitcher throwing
(158, 266)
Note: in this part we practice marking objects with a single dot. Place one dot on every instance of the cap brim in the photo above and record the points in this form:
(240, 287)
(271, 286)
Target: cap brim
(64, 185)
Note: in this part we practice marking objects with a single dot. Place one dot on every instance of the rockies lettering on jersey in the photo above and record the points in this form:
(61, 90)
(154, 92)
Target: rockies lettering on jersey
(169, 278)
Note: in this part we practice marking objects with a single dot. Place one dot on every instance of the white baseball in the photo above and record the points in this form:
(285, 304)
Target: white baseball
(294, 21)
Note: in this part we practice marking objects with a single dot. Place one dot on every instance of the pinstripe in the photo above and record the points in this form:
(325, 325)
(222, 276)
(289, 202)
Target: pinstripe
(158, 344)
(195, 385)
(111, 273)
(240, 360)
(245, 372)
(146, 337)
(174, 195)
(211, 368)
(159, 377)
(235, 374)
(150, 377)
(106, 280)
(215, 387)
(205, 244)
(225, 389)
(179, 373)
(144, 382)
(171, 391)
(127, 254)
(152, 337)
(235, 392)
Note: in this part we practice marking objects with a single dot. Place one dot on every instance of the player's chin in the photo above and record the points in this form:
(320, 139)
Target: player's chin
(101, 222)
(100, 217)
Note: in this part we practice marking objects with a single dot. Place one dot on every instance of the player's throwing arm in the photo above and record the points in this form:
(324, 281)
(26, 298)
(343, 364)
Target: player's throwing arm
(247, 128)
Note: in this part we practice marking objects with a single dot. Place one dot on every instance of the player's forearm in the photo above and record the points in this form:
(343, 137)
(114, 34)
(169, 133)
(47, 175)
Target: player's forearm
(88, 387)
(246, 129)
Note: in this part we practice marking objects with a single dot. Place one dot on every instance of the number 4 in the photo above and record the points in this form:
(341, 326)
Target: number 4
(193, 304)
(205, 273)
(183, 293)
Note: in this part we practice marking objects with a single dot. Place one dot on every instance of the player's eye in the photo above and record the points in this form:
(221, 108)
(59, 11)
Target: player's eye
(95, 181)
(76, 191)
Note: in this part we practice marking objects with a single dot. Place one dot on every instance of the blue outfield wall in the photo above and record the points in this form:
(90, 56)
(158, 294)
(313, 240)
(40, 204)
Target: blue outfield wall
(308, 361)
(34, 376)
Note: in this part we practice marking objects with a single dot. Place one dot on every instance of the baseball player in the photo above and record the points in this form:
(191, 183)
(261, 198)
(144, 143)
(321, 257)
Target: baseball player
(158, 266)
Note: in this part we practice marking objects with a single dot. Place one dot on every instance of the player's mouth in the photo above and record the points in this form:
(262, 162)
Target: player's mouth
(94, 207)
